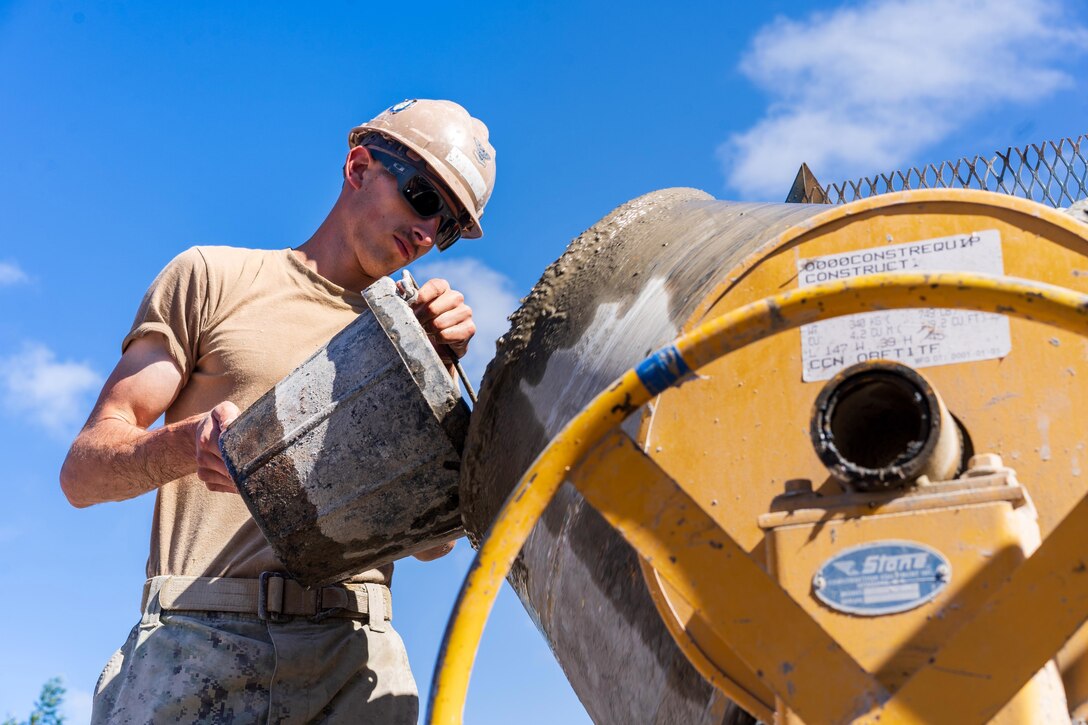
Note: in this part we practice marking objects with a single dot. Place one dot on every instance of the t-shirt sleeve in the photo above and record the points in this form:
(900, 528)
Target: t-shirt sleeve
(175, 306)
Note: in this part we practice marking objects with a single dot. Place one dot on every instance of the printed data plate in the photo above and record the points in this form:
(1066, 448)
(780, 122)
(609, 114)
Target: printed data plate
(916, 337)
(881, 577)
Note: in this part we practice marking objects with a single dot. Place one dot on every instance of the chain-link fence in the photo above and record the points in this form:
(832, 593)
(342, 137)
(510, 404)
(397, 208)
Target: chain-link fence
(1053, 172)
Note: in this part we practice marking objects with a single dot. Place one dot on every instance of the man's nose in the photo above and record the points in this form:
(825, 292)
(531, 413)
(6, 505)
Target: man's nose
(424, 231)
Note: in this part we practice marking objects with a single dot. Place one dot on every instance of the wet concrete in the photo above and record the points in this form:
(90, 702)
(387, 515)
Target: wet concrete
(621, 290)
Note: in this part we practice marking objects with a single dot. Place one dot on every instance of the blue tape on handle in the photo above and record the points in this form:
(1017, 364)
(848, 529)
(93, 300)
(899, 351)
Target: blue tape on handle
(662, 369)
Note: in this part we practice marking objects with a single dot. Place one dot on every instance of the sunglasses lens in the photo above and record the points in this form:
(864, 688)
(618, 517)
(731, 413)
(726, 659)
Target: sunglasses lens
(448, 233)
(422, 196)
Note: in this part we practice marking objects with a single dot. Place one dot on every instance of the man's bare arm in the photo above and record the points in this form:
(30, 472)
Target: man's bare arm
(115, 457)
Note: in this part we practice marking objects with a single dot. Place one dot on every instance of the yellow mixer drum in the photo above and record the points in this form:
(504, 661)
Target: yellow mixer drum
(739, 435)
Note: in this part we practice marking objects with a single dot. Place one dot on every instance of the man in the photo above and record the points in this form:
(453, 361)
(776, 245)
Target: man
(218, 328)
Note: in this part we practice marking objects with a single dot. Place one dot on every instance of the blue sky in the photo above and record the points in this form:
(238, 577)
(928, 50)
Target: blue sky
(130, 131)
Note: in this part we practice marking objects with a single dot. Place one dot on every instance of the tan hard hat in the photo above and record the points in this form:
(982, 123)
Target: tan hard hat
(452, 143)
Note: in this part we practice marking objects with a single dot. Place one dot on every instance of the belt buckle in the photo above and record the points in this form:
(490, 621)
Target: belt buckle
(262, 598)
(321, 612)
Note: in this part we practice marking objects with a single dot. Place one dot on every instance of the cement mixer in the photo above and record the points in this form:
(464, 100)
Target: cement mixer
(822, 464)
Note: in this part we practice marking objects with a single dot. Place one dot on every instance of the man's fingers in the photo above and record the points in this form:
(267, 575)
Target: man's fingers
(436, 297)
(224, 414)
(445, 316)
(450, 300)
(210, 467)
(221, 487)
(458, 334)
(431, 290)
(435, 552)
(452, 318)
(211, 462)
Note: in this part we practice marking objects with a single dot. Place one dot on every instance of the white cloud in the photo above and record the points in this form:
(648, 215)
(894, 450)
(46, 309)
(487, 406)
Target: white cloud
(11, 273)
(490, 295)
(77, 706)
(52, 393)
(860, 89)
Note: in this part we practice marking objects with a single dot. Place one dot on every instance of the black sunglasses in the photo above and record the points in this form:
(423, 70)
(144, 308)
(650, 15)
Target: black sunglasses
(422, 195)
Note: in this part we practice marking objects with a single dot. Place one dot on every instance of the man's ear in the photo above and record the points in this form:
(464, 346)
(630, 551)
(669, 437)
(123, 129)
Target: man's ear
(357, 162)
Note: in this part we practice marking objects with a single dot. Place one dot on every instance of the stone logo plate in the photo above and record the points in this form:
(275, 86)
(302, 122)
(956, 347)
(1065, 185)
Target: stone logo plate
(881, 577)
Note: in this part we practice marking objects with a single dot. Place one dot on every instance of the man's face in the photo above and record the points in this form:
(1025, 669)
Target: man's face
(387, 233)
(426, 193)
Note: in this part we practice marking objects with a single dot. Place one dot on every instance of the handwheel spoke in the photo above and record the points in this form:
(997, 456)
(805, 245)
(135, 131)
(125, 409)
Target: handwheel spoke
(767, 629)
(993, 655)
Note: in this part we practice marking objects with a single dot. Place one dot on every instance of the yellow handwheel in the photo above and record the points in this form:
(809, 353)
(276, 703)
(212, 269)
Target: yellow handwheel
(586, 441)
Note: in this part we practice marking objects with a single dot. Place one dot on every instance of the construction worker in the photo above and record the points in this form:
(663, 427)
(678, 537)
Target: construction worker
(219, 327)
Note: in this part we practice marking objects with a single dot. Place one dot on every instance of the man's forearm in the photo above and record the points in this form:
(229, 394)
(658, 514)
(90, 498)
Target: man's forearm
(114, 460)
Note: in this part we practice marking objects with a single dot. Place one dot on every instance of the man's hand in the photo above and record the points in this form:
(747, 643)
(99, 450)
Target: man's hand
(209, 461)
(435, 552)
(446, 318)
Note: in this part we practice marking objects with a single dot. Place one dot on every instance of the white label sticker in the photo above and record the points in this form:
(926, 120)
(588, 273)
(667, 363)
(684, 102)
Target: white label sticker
(917, 337)
(457, 159)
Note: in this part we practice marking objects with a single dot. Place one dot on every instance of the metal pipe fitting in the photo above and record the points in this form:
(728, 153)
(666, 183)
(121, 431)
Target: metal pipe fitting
(880, 425)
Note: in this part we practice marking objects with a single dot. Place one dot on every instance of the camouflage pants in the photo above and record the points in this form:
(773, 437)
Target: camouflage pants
(210, 667)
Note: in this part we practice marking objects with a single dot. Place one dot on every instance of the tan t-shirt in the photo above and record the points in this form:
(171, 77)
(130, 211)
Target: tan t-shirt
(237, 321)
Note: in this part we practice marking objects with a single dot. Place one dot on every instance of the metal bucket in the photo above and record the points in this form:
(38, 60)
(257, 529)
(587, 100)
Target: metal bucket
(353, 460)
